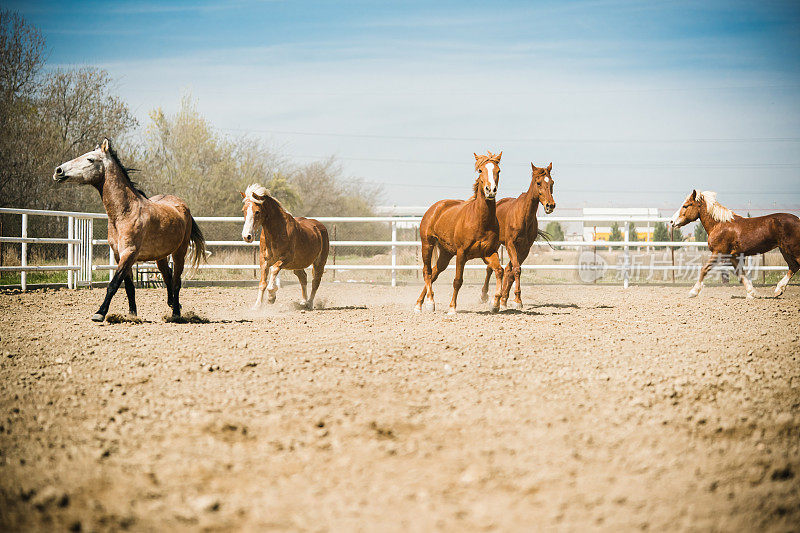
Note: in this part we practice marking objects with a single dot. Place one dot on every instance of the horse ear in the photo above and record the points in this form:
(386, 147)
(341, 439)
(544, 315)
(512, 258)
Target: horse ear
(533, 167)
(550, 166)
(243, 195)
(476, 156)
(106, 145)
(499, 156)
(694, 194)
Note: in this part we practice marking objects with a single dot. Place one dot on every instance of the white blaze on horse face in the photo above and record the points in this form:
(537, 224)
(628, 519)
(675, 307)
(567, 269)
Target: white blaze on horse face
(492, 183)
(676, 218)
(247, 229)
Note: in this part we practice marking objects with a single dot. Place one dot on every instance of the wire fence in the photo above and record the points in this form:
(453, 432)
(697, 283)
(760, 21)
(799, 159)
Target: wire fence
(375, 248)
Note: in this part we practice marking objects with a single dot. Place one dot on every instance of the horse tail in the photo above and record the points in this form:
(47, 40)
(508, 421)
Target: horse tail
(322, 258)
(546, 236)
(199, 242)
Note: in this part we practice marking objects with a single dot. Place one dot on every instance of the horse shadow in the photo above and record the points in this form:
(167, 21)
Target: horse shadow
(341, 308)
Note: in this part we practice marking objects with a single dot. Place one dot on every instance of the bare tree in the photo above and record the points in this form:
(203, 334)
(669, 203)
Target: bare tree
(22, 50)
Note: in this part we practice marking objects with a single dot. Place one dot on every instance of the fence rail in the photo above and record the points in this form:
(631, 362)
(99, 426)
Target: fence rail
(80, 245)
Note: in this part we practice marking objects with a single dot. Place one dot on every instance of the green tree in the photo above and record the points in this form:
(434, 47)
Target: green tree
(185, 156)
(661, 233)
(555, 230)
(632, 235)
(616, 234)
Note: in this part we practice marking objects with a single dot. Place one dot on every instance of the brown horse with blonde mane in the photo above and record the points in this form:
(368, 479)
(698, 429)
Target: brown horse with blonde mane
(519, 228)
(287, 242)
(139, 228)
(733, 236)
(466, 229)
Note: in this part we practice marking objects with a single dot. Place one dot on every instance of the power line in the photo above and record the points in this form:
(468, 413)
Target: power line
(564, 165)
(521, 140)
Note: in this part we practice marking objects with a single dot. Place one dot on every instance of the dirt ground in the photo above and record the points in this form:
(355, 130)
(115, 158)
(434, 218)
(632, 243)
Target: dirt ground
(594, 407)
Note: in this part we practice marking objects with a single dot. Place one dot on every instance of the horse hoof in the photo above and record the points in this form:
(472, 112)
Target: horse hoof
(309, 306)
(484, 297)
(430, 306)
(497, 308)
(417, 308)
(516, 305)
(751, 295)
(97, 317)
(451, 311)
(778, 293)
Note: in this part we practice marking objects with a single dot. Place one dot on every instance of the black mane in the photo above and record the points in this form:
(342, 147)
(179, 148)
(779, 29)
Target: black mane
(125, 170)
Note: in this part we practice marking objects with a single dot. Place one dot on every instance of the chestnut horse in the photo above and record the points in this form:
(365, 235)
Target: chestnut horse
(467, 229)
(139, 228)
(734, 236)
(288, 242)
(519, 228)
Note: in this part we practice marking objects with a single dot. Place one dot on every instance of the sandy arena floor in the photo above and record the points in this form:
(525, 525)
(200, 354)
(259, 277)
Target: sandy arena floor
(594, 407)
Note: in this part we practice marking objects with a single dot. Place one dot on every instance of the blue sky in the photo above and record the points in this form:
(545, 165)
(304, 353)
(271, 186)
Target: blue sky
(634, 103)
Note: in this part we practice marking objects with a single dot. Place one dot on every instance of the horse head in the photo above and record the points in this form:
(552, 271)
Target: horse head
(488, 167)
(87, 169)
(542, 182)
(253, 200)
(689, 211)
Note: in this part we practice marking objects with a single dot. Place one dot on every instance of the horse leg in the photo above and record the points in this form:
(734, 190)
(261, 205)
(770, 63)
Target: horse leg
(485, 289)
(494, 263)
(303, 279)
(319, 270)
(751, 293)
(127, 258)
(427, 252)
(178, 258)
(458, 280)
(262, 284)
(794, 265)
(441, 265)
(130, 292)
(272, 287)
(703, 271)
(166, 275)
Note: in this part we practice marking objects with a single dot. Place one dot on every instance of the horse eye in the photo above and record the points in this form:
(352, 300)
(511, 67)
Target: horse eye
(91, 160)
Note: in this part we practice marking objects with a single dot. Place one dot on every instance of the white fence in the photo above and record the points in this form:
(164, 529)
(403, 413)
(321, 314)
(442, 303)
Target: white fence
(80, 245)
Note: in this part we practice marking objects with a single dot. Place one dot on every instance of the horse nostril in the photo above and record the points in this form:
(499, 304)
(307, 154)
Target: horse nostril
(59, 171)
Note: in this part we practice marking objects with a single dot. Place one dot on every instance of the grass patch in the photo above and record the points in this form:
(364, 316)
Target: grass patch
(116, 318)
(189, 317)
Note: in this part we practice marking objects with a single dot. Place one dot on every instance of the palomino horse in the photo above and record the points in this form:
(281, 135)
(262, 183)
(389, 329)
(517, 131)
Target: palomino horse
(139, 228)
(288, 242)
(467, 229)
(734, 236)
(519, 228)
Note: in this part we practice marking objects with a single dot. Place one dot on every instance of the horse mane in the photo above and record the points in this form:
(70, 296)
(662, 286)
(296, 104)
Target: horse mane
(256, 189)
(114, 157)
(717, 211)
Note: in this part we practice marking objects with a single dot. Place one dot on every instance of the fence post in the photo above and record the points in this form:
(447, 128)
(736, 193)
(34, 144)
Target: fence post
(90, 260)
(333, 272)
(70, 253)
(626, 258)
(23, 275)
(394, 253)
